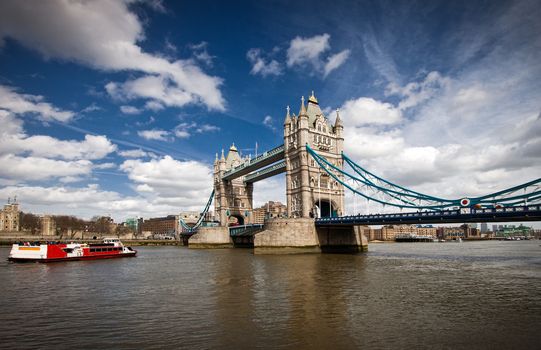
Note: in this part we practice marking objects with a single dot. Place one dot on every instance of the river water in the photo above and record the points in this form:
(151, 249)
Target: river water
(472, 295)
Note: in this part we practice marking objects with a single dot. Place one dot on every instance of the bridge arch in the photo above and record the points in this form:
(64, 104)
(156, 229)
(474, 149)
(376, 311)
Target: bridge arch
(326, 208)
(235, 220)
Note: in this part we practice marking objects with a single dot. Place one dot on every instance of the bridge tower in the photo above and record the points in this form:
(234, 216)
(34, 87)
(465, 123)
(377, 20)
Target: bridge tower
(310, 191)
(233, 199)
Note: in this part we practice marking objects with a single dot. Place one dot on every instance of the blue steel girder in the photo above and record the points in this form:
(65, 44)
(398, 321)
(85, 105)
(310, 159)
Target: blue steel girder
(464, 215)
(261, 161)
(262, 174)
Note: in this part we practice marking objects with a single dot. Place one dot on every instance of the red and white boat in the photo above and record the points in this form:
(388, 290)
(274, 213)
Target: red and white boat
(50, 252)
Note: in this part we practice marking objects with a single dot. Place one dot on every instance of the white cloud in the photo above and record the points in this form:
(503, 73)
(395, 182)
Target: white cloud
(93, 147)
(303, 50)
(415, 93)
(154, 134)
(310, 51)
(186, 129)
(365, 110)
(133, 153)
(130, 110)
(17, 103)
(182, 134)
(105, 35)
(38, 168)
(105, 166)
(260, 65)
(335, 61)
(200, 53)
(183, 183)
(267, 121)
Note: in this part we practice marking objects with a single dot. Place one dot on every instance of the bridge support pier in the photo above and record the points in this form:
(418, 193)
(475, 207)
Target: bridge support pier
(342, 239)
(290, 236)
(211, 237)
(287, 236)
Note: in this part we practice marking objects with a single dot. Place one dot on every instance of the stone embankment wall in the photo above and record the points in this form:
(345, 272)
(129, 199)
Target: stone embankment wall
(211, 237)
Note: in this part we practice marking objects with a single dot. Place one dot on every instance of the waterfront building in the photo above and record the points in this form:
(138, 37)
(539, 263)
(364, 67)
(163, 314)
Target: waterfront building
(9, 217)
(48, 225)
(269, 210)
(132, 223)
(484, 227)
(166, 226)
(427, 230)
(191, 217)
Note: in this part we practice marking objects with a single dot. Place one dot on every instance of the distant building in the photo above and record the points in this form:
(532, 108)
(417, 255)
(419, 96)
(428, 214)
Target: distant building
(9, 217)
(48, 225)
(132, 223)
(191, 217)
(167, 226)
(484, 227)
(269, 210)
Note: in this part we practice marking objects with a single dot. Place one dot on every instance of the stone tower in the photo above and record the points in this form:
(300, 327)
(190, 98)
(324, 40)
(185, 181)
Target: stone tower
(310, 191)
(232, 198)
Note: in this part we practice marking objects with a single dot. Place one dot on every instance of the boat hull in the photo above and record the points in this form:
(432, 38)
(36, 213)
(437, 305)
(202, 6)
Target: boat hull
(75, 258)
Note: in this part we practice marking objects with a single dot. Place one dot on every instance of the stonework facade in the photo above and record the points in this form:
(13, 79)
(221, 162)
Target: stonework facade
(310, 191)
(232, 198)
(9, 217)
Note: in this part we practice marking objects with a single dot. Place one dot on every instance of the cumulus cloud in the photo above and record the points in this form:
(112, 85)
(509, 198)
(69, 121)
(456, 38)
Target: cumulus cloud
(93, 146)
(262, 66)
(105, 35)
(14, 102)
(41, 157)
(39, 168)
(183, 183)
(366, 110)
(310, 51)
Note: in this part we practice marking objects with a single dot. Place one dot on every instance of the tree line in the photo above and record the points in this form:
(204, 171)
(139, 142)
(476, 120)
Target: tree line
(66, 223)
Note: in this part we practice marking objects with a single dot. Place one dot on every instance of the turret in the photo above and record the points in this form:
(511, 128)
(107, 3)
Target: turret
(338, 126)
(287, 121)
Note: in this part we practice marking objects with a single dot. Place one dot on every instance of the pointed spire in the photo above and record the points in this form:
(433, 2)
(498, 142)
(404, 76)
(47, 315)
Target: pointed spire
(288, 118)
(216, 159)
(303, 109)
(313, 98)
(223, 157)
(338, 121)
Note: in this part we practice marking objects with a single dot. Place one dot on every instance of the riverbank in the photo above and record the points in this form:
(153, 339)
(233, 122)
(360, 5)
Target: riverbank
(8, 241)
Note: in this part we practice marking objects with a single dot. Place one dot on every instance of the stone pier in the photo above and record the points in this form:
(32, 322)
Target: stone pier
(211, 237)
(290, 236)
(284, 236)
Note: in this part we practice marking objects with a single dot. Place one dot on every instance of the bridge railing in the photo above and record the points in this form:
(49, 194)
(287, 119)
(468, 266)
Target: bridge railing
(255, 160)
(471, 212)
(244, 230)
(279, 166)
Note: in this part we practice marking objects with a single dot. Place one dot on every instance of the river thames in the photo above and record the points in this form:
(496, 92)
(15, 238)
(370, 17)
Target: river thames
(472, 295)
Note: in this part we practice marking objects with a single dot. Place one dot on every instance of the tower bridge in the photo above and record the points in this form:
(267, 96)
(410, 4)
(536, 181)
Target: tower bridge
(313, 160)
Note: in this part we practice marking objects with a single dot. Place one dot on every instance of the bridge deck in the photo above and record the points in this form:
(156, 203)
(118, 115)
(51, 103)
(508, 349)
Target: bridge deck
(510, 214)
(262, 174)
(258, 162)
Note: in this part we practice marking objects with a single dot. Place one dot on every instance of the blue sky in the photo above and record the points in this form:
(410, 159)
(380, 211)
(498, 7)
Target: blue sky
(118, 108)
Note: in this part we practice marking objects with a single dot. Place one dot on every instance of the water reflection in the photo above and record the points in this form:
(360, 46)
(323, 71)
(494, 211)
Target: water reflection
(475, 295)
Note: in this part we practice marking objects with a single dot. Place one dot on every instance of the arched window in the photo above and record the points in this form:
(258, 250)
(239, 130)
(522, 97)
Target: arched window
(324, 129)
(319, 127)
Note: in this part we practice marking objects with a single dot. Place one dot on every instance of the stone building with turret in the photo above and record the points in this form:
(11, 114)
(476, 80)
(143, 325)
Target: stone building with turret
(233, 198)
(9, 217)
(311, 191)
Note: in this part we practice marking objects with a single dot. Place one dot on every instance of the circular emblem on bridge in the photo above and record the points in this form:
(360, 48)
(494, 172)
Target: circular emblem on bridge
(465, 202)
